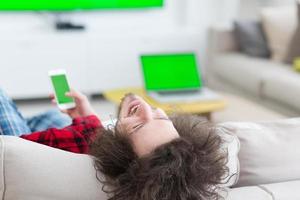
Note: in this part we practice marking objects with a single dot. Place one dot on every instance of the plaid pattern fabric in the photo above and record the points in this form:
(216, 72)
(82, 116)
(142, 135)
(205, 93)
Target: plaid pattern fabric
(11, 121)
(74, 138)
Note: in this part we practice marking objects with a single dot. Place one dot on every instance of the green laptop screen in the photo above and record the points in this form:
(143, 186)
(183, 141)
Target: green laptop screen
(170, 72)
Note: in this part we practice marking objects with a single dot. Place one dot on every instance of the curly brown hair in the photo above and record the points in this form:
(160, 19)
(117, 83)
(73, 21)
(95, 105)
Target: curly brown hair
(188, 168)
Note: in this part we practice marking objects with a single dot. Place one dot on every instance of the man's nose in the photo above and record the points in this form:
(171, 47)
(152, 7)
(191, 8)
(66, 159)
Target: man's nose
(145, 112)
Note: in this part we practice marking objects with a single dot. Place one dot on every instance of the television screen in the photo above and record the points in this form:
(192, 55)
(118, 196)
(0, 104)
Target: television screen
(65, 5)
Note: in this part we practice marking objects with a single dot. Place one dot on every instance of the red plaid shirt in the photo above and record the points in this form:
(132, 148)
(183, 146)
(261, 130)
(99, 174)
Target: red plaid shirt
(74, 138)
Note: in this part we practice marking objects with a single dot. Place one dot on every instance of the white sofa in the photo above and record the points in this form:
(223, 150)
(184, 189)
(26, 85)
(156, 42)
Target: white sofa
(269, 166)
(269, 160)
(267, 80)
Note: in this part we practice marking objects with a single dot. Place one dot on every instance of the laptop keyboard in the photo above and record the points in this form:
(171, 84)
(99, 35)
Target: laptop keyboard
(181, 92)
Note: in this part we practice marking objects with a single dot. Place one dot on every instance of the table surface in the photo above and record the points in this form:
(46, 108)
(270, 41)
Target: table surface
(115, 96)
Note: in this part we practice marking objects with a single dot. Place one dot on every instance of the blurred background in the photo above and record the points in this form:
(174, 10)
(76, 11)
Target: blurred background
(100, 43)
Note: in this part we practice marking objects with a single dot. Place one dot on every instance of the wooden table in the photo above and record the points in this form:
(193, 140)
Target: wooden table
(199, 108)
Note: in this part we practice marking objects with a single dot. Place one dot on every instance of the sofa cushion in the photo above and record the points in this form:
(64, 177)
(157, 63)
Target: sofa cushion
(284, 190)
(283, 85)
(279, 24)
(247, 193)
(243, 71)
(269, 151)
(280, 191)
(251, 38)
(31, 171)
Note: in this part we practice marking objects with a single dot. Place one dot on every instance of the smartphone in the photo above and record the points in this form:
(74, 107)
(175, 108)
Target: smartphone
(61, 86)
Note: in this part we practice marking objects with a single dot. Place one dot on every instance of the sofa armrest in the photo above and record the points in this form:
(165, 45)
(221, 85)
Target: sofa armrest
(33, 171)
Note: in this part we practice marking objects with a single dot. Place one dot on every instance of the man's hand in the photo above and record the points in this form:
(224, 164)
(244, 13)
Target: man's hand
(83, 107)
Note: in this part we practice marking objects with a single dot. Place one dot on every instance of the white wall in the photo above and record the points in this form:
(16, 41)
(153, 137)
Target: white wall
(104, 20)
(250, 9)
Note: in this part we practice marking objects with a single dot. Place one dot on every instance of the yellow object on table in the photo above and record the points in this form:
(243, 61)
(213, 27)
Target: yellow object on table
(200, 108)
(297, 64)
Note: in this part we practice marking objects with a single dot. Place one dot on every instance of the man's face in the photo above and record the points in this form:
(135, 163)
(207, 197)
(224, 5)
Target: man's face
(146, 127)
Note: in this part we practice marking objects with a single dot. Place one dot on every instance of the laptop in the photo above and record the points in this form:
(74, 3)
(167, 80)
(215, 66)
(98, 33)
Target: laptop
(171, 78)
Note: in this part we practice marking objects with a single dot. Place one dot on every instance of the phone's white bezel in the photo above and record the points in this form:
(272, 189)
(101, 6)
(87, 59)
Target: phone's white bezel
(56, 72)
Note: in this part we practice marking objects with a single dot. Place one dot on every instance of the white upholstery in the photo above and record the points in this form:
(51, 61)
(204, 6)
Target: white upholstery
(269, 151)
(278, 191)
(30, 171)
(283, 86)
(248, 193)
(284, 190)
(244, 71)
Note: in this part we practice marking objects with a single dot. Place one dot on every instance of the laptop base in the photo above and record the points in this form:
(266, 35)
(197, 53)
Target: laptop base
(203, 95)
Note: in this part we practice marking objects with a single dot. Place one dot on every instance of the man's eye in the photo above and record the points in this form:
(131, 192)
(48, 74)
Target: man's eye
(133, 110)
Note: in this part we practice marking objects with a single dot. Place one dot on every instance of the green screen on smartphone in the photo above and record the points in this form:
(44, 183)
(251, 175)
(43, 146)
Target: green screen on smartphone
(61, 86)
(171, 72)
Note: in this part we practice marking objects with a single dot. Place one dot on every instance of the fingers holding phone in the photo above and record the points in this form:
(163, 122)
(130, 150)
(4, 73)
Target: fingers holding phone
(69, 101)
(83, 106)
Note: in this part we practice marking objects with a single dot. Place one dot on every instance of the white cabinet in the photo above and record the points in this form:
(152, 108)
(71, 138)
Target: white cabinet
(94, 62)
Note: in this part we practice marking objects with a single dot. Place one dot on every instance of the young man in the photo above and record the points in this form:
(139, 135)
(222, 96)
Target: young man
(147, 155)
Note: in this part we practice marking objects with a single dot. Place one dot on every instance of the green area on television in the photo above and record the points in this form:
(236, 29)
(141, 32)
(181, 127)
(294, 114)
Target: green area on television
(20, 5)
